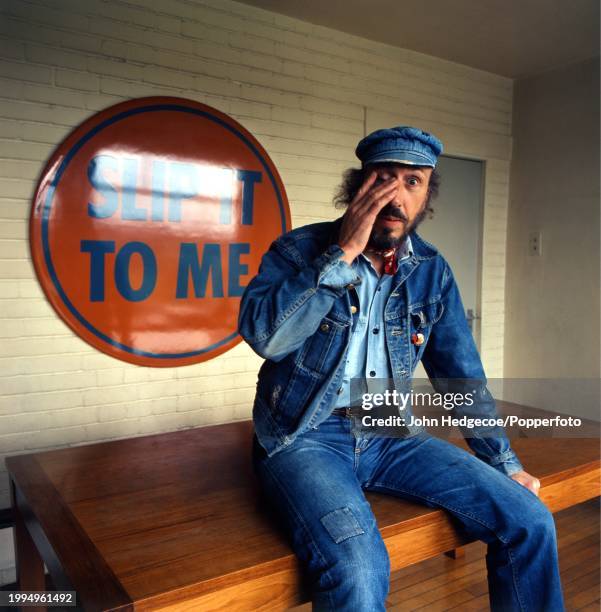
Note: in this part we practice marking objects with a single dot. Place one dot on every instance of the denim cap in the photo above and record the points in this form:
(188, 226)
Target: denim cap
(400, 144)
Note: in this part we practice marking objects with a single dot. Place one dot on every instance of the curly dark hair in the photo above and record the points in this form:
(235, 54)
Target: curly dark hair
(353, 178)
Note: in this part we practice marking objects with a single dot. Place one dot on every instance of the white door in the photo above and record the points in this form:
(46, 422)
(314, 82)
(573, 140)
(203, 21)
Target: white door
(456, 230)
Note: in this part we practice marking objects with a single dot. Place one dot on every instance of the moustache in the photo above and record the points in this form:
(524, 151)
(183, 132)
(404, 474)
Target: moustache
(392, 211)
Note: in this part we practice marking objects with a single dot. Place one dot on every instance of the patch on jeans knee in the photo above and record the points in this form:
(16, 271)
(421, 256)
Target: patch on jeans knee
(341, 524)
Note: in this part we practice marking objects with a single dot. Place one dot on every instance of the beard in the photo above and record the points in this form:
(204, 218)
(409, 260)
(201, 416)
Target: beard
(382, 239)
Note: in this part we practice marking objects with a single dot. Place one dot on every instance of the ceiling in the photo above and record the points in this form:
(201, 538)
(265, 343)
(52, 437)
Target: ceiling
(513, 38)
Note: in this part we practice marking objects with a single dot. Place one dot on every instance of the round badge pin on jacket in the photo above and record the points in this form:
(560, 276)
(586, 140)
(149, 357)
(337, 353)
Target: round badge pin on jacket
(147, 223)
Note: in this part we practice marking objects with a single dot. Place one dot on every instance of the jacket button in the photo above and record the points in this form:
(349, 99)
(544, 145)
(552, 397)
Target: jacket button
(324, 327)
(353, 309)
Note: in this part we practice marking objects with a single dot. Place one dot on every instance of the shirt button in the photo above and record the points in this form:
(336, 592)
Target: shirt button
(375, 330)
(353, 309)
(325, 327)
(372, 373)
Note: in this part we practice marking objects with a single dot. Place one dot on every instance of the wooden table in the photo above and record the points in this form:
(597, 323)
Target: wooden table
(173, 521)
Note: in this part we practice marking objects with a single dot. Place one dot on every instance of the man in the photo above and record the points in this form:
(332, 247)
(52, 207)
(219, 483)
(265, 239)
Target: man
(337, 306)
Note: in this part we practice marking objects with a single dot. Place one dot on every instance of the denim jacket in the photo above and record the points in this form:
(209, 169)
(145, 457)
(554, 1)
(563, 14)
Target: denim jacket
(297, 313)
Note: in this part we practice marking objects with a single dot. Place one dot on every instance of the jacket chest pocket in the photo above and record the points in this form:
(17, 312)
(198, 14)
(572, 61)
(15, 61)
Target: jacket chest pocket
(421, 319)
(319, 352)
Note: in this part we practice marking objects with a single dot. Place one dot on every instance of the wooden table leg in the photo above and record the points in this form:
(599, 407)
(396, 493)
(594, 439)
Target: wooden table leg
(456, 553)
(29, 564)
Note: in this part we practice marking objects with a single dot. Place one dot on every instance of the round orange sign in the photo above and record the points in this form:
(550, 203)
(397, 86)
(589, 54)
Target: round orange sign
(147, 224)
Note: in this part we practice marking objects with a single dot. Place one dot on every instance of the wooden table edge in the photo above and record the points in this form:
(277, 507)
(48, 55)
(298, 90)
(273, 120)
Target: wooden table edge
(30, 486)
(28, 480)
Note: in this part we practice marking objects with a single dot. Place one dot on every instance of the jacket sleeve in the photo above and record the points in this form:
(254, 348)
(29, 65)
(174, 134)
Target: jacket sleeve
(453, 364)
(285, 302)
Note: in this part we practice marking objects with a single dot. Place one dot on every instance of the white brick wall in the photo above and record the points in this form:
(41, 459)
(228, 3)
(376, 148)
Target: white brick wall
(304, 91)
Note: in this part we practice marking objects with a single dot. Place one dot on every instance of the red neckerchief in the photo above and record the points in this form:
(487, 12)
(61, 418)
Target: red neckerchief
(390, 259)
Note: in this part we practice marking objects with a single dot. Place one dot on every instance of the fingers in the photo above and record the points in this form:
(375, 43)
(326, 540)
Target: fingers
(535, 486)
(376, 197)
(369, 187)
(382, 199)
(367, 183)
(526, 480)
(361, 214)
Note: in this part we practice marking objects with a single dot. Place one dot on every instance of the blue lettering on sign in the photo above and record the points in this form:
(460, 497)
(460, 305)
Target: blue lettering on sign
(97, 250)
(236, 269)
(189, 265)
(149, 275)
(183, 183)
(128, 197)
(96, 169)
(249, 178)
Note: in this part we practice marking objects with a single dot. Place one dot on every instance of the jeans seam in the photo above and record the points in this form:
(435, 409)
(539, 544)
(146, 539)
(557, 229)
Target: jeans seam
(515, 578)
(305, 529)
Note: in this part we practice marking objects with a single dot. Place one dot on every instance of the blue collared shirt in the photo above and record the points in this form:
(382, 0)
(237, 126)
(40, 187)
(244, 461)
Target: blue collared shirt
(367, 357)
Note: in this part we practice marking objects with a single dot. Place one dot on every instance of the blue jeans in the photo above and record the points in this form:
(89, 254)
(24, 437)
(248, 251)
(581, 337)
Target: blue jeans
(315, 486)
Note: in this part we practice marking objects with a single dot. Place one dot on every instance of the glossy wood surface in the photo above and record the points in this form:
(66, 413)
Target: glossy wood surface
(173, 521)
